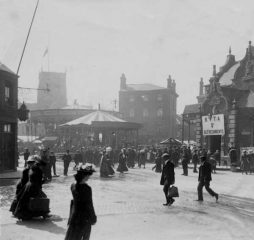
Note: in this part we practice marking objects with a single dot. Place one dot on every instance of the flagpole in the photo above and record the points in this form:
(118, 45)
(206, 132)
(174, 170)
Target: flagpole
(27, 36)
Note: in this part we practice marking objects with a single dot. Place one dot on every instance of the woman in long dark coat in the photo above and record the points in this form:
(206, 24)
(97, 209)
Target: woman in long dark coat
(106, 167)
(82, 214)
(32, 189)
(122, 167)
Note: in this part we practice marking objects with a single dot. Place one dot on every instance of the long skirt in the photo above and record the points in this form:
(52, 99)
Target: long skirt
(77, 232)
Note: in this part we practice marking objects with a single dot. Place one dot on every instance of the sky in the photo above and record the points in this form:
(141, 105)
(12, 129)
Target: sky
(95, 41)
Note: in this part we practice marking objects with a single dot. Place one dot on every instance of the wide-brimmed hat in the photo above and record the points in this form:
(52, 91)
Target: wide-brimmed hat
(30, 160)
(86, 169)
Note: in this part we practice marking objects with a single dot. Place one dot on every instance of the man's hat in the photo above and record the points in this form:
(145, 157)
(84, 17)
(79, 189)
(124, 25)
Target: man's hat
(165, 156)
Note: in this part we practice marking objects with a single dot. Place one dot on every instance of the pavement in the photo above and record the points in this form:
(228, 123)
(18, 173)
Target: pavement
(129, 206)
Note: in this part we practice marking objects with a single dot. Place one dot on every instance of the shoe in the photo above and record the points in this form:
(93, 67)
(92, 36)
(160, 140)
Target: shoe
(171, 201)
(165, 204)
(217, 197)
(199, 200)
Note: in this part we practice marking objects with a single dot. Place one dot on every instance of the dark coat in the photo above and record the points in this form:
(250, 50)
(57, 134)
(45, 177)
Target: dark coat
(205, 172)
(168, 173)
(81, 210)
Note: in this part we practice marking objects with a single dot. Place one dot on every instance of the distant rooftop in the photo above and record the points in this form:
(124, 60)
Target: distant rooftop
(192, 109)
(6, 69)
(143, 87)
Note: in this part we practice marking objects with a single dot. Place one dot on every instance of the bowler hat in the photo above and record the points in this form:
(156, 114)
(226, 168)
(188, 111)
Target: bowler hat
(165, 156)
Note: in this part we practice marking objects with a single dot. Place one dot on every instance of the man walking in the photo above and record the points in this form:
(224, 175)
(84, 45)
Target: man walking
(204, 178)
(167, 178)
(66, 160)
(195, 160)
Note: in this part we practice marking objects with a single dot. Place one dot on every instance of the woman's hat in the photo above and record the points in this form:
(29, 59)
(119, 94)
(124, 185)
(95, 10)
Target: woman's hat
(86, 169)
(30, 160)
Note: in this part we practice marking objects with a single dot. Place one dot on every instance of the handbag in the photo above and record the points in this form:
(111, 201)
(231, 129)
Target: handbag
(173, 192)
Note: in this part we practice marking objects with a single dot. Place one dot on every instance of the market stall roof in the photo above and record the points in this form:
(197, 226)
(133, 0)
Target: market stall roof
(172, 141)
(102, 119)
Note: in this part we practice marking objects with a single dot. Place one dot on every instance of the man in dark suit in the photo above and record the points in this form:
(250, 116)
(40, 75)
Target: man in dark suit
(167, 177)
(204, 178)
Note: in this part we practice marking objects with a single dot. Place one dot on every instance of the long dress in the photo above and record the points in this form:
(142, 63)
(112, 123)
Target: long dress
(106, 168)
(82, 215)
(21, 184)
(32, 189)
(122, 167)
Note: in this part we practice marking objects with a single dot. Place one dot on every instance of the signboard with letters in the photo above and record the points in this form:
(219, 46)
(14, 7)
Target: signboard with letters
(213, 125)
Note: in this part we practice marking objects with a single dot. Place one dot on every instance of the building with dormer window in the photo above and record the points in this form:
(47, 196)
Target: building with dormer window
(224, 114)
(151, 105)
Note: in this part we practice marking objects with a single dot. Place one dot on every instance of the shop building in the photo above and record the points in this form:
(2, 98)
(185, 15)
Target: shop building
(224, 114)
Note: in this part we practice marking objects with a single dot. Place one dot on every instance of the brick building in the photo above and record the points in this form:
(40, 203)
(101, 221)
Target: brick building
(228, 99)
(152, 106)
(8, 118)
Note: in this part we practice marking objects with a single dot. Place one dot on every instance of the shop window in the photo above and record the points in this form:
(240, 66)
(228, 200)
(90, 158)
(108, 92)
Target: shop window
(145, 113)
(132, 113)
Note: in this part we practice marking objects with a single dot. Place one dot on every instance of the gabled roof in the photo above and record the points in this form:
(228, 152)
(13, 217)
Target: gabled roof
(6, 69)
(192, 108)
(228, 76)
(143, 87)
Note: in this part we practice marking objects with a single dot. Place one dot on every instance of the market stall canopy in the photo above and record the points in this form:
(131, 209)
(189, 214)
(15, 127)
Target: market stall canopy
(171, 141)
(102, 119)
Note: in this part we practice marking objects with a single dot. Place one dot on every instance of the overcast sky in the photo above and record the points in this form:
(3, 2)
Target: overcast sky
(95, 41)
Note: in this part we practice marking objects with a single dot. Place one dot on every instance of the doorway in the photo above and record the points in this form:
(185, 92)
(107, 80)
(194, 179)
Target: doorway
(214, 143)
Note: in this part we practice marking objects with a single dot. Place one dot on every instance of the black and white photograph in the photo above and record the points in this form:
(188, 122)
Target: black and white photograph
(126, 119)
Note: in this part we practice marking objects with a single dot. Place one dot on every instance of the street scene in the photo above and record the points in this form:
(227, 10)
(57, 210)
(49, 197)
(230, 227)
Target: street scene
(129, 206)
(126, 119)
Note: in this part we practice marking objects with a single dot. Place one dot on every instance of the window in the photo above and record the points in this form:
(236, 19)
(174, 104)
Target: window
(132, 113)
(7, 128)
(145, 113)
(159, 97)
(145, 98)
(132, 99)
(160, 112)
(7, 94)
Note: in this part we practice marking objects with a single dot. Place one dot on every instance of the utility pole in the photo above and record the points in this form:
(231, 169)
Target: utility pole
(24, 48)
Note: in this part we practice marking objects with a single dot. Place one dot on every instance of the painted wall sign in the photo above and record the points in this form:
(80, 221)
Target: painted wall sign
(213, 125)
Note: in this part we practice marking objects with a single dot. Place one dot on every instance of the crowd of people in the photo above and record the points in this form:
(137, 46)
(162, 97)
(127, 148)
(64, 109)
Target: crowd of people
(40, 169)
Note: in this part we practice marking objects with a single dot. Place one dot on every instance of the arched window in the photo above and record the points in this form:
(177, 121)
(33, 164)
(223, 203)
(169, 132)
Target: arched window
(132, 113)
(145, 112)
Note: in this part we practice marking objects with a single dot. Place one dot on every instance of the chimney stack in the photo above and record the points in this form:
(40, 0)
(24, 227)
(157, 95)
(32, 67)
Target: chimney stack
(123, 82)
